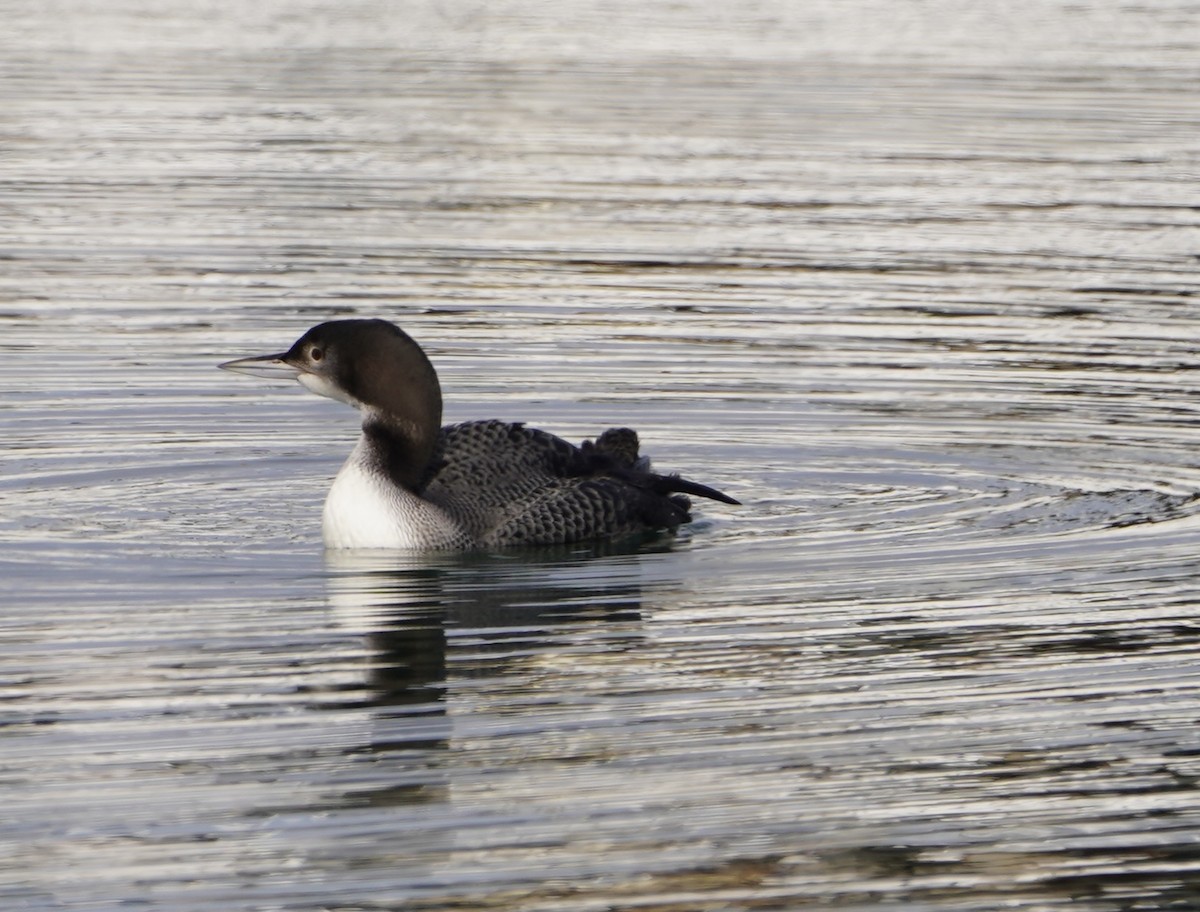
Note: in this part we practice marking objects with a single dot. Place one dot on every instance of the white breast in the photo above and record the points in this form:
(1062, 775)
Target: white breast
(365, 509)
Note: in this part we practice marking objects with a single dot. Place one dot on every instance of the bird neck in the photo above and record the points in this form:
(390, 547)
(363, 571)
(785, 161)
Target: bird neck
(402, 412)
(401, 450)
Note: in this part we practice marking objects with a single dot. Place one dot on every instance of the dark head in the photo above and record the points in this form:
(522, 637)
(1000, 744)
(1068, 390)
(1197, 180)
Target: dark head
(370, 364)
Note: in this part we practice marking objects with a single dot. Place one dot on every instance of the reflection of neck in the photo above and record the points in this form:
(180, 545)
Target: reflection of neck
(400, 449)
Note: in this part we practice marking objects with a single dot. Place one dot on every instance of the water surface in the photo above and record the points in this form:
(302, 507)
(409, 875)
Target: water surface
(914, 281)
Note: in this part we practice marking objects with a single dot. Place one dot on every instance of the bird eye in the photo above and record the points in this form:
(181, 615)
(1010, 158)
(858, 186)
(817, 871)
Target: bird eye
(315, 354)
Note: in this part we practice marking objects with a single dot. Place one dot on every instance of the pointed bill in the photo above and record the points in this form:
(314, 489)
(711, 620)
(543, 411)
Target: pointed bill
(272, 367)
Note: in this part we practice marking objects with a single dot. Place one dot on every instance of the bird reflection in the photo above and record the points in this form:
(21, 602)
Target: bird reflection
(426, 623)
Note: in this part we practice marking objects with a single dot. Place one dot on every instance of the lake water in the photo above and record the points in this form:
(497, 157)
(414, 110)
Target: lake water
(915, 281)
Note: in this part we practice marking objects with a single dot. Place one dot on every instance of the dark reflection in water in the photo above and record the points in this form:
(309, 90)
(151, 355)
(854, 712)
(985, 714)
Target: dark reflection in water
(429, 622)
(411, 606)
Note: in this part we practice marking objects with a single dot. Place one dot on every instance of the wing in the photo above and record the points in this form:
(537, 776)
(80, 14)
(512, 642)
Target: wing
(482, 468)
(492, 460)
(580, 509)
(509, 484)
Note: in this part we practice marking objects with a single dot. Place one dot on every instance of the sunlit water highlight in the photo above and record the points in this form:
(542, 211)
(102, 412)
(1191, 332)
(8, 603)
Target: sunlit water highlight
(914, 281)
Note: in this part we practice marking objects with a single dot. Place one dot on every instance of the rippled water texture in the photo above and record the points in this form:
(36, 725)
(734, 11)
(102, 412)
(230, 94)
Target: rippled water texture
(915, 281)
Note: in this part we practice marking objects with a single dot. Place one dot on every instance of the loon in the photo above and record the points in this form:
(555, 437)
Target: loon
(412, 484)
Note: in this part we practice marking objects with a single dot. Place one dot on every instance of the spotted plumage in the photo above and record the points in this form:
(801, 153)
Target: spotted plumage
(509, 485)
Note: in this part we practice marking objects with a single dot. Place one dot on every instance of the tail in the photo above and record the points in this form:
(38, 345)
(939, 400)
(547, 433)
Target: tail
(616, 452)
(673, 484)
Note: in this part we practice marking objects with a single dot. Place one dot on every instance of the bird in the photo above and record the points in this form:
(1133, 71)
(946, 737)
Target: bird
(411, 484)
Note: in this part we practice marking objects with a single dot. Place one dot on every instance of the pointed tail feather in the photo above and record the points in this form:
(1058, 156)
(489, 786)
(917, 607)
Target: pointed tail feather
(675, 484)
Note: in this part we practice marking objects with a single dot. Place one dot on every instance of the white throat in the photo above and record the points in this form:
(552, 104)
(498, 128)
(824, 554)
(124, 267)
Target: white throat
(365, 509)
(322, 387)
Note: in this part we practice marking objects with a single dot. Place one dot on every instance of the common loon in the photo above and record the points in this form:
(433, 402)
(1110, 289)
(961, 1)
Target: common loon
(412, 484)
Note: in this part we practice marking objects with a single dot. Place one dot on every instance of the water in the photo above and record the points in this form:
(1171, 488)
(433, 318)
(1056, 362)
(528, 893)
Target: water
(914, 281)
